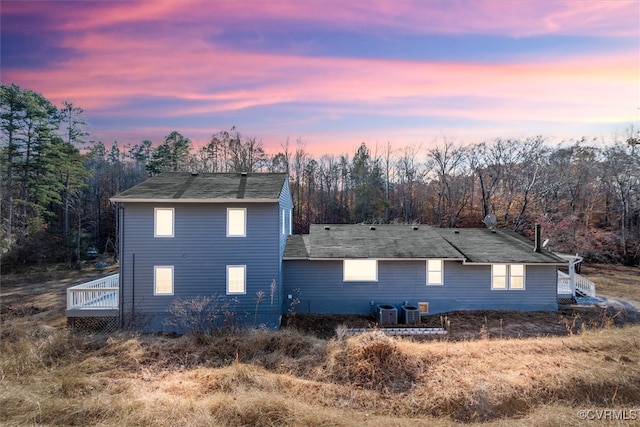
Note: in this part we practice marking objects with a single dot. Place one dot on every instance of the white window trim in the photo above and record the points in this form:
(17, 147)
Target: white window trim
(374, 263)
(440, 270)
(524, 275)
(290, 222)
(244, 226)
(507, 278)
(244, 279)
(155, 222)
(155, 277)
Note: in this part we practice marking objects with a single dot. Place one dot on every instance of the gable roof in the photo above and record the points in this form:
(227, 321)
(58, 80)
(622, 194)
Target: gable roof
(369, 241)
(185, 187)
(484, 246)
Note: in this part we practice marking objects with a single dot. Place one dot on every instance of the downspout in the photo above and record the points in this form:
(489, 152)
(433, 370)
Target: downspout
(133, 285)
(120, 254)
(572, 273)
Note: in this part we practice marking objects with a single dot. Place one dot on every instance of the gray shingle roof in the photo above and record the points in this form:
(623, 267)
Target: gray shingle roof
(365, 241)
(187, 187)
(473, 245)
(480, 245)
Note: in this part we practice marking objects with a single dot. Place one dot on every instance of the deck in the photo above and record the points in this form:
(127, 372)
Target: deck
(581, 287)
(98, 298)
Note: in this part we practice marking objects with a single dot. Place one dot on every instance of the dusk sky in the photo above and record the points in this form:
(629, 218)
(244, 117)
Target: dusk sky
(332, 73)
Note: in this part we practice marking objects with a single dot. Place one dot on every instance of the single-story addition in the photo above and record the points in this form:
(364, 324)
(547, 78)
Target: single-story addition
(351, 269)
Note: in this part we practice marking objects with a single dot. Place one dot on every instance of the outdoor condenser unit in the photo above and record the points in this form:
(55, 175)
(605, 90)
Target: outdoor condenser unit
(387, 314)
(410, 315)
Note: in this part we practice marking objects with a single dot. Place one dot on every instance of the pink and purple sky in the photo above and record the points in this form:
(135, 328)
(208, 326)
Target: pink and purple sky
(332, 73)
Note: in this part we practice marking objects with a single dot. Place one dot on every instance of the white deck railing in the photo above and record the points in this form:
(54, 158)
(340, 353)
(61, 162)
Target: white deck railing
(585, 286)
(564, 284)
(99, 294)
(582, 284)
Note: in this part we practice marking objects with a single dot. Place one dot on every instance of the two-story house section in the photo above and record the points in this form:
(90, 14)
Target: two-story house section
(217, 235)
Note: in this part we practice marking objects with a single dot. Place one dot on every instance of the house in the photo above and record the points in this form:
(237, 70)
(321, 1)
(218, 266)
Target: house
(185, 235)
(353, 268)
(228, 236)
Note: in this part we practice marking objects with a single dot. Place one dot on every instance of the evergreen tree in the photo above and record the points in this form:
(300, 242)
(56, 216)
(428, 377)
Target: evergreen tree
(170, 156)
(368, 187)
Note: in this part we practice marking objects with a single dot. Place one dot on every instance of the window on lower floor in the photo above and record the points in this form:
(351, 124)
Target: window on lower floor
(236, 279)
(163, 280)
(516, 276)
(363, 270)
(434, 272)
(507, 276)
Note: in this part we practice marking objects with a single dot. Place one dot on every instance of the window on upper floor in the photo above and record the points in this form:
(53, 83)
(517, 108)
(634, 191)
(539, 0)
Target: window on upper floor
(284, 221)
(163, 280)
(236, 283)
(163, 219)
(360, 270)
(434, 272)
(507, 276)
(236, 222)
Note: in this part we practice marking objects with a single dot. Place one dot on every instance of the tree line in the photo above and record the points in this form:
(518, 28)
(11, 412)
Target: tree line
(57, 182)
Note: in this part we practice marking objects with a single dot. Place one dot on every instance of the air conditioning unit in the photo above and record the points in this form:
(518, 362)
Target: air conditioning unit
(387, 314)
(410, 315)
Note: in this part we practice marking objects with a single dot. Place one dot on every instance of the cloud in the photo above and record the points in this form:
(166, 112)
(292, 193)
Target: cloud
(205, 63)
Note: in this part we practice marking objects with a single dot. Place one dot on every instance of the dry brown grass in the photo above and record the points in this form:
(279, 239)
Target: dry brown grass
(615, 281)
(54, 377)
(51, 376)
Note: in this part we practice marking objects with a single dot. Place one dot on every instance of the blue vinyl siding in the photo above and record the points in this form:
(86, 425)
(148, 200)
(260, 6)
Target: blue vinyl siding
(466, 287)
(200, 253)
(286, 206)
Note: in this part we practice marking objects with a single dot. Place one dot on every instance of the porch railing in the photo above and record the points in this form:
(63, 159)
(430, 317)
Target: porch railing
(98, 294)
(582, 285)
(564, 284)
(586, 286)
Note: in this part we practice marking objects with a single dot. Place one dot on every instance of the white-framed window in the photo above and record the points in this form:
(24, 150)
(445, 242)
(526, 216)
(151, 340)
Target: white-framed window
(360, 270)
(290, 222)
(236, 279)
(507, 276)
(516, 276)
(434, 272)
(163, 280)
(236, 222)
(499, 276)
(286, 221)
(163, 219)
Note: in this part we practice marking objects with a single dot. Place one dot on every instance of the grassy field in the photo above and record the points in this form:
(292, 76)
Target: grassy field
(51, 376)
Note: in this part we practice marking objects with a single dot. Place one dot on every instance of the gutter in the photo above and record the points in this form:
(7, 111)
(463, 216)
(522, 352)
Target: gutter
(164, 200)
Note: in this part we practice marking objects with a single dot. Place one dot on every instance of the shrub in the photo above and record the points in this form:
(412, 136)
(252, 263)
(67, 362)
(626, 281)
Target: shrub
(372, 360)
(202, 314)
